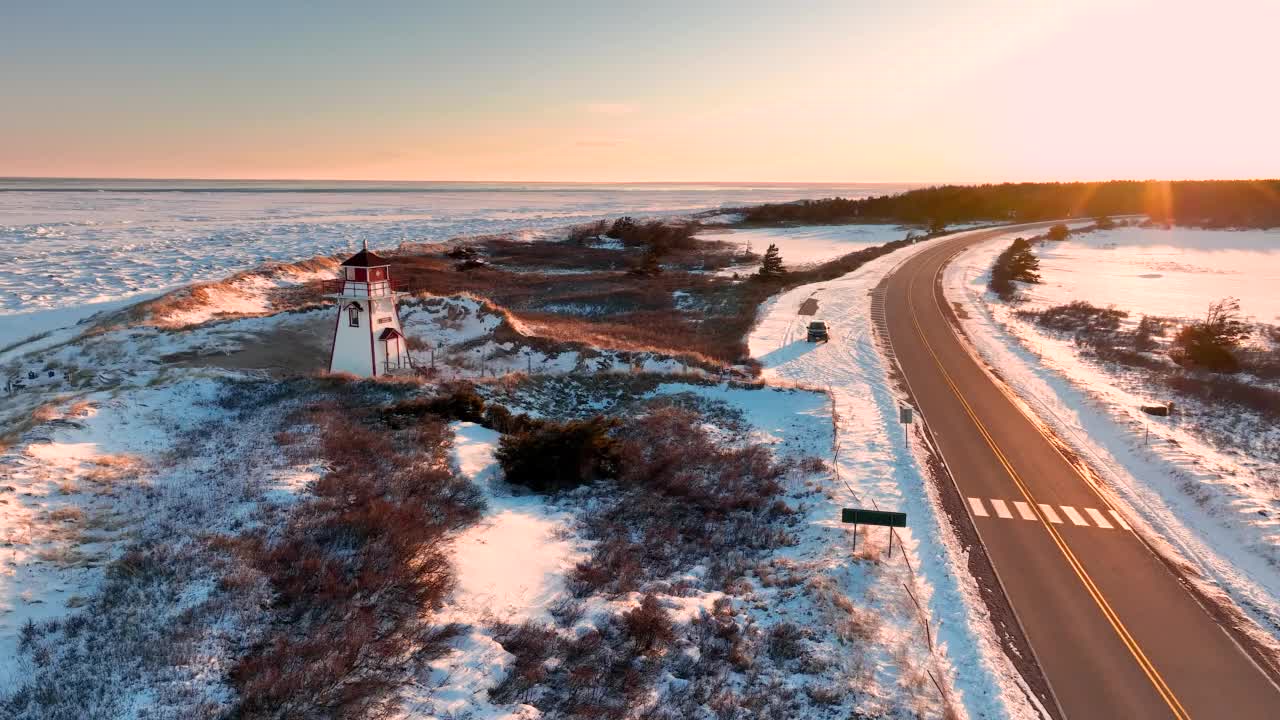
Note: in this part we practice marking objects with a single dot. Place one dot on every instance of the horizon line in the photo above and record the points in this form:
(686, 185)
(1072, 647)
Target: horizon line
(88, 178)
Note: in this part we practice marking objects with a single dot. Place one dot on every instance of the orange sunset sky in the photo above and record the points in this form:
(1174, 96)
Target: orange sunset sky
(918, 90)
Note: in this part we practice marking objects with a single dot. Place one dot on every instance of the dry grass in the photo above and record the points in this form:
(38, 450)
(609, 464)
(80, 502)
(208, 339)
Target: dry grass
(67, 515)
(64, 556)
(47, 412)
(80, 408)
(629, 312)
(353, 570)
(110, 469)
(197, 296)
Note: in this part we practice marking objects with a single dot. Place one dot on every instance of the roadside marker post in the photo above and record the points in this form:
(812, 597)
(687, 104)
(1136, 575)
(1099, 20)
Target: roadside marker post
(856, 516)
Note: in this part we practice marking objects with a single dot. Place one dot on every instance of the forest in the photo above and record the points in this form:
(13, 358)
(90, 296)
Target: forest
(1207, 204)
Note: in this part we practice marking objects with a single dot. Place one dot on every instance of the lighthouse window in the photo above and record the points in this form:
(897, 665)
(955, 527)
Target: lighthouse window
(353, 315)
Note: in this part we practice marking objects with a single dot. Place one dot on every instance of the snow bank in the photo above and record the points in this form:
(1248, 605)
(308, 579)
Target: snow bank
(240, 295)
(878, 470)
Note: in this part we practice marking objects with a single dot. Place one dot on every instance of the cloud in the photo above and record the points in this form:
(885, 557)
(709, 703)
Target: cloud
(607, 108)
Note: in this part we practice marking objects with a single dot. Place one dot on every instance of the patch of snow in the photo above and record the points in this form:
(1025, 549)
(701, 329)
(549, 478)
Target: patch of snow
(512, 563)
(809, 244)
(510, 567)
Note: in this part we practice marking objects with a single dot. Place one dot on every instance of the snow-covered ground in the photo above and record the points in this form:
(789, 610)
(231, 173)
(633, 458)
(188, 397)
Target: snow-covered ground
(167, 465)
(809, 244)
(466, 337)
(511, 567)
(70, 253)
(1214, 504)
(1170, 273)
(879, 470)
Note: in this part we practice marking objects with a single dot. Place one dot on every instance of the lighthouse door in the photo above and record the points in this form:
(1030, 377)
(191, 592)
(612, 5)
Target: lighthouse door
(393, 350)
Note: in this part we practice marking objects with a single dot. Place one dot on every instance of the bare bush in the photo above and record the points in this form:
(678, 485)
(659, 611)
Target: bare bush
(649, 626)
(681, 500)
(1079, 317)
(786, 642)
(580, 234)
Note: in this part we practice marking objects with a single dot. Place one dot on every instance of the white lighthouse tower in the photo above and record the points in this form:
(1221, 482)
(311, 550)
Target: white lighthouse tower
(367, 339)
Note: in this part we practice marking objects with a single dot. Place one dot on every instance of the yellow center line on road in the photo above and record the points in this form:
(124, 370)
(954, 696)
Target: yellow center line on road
(1165, 692)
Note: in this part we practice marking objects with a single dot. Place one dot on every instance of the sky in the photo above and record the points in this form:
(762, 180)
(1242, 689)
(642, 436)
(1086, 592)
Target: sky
(799, 91)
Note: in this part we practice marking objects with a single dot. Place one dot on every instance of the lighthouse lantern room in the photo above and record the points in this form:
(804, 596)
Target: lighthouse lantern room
(367, 338)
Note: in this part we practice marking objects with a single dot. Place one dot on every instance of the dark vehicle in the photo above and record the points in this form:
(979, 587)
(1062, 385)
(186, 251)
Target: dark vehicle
(818, 331)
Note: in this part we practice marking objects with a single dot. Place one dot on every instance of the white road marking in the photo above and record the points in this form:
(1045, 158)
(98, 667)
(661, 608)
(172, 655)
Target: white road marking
(1050, 513)
(1098, 518)
(1074, 515)
(1120, 520)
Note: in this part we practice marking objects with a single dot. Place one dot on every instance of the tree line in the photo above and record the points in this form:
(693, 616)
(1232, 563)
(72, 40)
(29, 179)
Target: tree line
(1209, 203)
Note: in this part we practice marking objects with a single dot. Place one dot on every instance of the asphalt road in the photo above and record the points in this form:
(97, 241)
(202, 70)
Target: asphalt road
(1116, 633)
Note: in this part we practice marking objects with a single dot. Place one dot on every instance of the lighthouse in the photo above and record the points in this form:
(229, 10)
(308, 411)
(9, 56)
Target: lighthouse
(367, 339)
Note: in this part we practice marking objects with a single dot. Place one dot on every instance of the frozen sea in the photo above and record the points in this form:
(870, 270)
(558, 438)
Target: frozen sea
(74, 247)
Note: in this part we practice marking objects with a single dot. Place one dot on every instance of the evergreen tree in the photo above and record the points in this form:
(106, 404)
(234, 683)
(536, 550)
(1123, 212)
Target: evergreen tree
(1017, 262)
(771, 267)
(1209, 344)
(1023, 263)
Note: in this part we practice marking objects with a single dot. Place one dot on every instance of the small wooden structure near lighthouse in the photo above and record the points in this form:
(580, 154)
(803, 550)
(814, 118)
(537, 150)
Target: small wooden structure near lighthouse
(367, 338)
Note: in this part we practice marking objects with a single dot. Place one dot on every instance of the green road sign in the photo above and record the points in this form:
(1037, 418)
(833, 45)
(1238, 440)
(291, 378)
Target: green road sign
(873, 517)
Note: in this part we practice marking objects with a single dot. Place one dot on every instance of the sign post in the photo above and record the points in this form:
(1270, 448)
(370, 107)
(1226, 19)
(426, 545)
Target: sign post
(904, 417)
(857, 516)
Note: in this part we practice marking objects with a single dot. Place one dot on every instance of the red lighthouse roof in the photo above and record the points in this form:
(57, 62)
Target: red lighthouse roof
(364, 258)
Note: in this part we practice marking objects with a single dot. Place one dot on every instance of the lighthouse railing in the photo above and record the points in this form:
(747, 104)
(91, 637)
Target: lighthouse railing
(353, 288)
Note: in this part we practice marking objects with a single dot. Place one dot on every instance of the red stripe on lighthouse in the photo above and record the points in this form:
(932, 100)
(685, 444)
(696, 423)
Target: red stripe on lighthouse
(373, 354)
(334, 345)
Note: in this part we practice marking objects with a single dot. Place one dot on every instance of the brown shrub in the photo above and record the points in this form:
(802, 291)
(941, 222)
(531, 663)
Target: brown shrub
(681, 500)
(549, 456)
(46, 413)
(353, 572)
(649, 626)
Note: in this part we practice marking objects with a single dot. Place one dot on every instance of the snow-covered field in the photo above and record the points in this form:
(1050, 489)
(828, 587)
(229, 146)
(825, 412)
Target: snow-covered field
(68, 254)
(880, 470)
(809, 244)
(115, 399)
(1170, 273)
(1199, 488)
